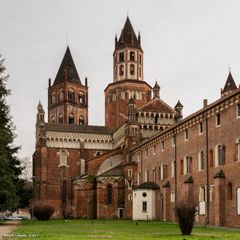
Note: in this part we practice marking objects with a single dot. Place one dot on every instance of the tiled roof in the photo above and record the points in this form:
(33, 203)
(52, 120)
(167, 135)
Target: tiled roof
(117, 171)
(147, 185)
(128, 37)
(78, 128)
(156, 105)
(67, 70)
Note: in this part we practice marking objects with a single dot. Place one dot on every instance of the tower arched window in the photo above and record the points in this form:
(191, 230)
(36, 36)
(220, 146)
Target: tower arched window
(81, 120)
(132, 69)
(121, 70)
(53, 98)
(121, 57)
(140, 72)
(52, 119)
(60, 95)
(109, 194)
(71, 118)
(132, 56)
(60, 118)
(71, 95)
(81, 98)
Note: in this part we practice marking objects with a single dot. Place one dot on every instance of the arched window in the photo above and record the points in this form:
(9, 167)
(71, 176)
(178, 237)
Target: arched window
(81, 98)
(71, 95)
(121, 70)
(140, 72)
(132, 69)
(109, 194)
(52, 119)
(81, 120)
(53, 98)
(220, 155)
(60, 95)
(132, 56)
(121, 56)
(211, 158)
(187, 164)
(201, 161)
(71, 118)
(60, 118)
(229, 191)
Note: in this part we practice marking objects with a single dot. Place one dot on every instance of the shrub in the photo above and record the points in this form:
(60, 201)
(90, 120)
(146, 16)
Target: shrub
(186, 217)
(43, 212)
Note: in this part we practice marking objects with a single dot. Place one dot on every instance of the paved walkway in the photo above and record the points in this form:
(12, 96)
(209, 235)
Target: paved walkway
(7, 228)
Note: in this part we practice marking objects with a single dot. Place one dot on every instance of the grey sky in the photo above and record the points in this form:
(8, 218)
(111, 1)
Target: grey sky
(187, 45)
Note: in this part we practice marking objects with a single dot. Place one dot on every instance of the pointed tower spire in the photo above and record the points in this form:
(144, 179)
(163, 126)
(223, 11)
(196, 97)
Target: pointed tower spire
(128, 37)
(230, 85)
(156, 90)
(67, 70)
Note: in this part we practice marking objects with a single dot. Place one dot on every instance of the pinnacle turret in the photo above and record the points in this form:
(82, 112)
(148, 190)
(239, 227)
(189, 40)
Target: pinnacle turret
(230, 85)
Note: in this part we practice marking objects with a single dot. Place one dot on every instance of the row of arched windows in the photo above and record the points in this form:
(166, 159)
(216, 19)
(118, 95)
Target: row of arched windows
(131, 57)
(70, 96)
(71, 119)
(132, 70)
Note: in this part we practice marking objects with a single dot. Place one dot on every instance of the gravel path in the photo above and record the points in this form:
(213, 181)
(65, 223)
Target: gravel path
(7, 228)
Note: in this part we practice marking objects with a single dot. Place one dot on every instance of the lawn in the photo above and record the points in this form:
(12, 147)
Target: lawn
(115, 229)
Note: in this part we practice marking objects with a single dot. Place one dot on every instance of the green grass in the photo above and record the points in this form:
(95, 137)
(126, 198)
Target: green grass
(115, 229)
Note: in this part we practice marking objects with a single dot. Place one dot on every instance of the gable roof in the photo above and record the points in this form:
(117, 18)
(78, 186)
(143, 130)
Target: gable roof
(156, 105)
(114, 172)
(67, 70)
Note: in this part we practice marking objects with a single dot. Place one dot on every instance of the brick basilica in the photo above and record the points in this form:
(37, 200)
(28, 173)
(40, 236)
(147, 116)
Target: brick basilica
(147, 158)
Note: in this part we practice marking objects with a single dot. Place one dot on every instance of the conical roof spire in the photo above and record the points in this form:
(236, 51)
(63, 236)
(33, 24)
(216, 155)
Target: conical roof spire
(156, 90)
(128, 37)
(230, 85)
(67, 70)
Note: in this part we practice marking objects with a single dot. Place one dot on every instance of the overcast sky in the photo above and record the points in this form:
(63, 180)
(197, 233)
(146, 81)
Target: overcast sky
(188, 46)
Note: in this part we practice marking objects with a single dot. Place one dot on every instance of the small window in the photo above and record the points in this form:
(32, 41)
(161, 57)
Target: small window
(220, 154)
(173, 141)
(172, 197)
(144, 194)
(60, 118)
(202, 194)
(162, 145)
(201, 161)
(146, 153)
(132, 69)
(61, 95)
(53, 98)
(218, 119)
(144, 206)
(186, 135)
(52, 119)
(121, 70)
(129, 172)
(81, 120)
(187, 164)
(173, 168)
(132, 56)
(154, 149)
(211, 158)
(130, 197)
(146, 175)
(71, 95)
(140, 72)
(121, 57)
(109, 194)
(71, 119)
(81, 98)
(63, 158)
(140, 58)
(200, 128)
(238, 110)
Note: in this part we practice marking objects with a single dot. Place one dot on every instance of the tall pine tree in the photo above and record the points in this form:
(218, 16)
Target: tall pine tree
(10, 169)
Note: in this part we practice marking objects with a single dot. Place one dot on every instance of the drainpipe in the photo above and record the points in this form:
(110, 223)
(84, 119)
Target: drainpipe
(207, 172)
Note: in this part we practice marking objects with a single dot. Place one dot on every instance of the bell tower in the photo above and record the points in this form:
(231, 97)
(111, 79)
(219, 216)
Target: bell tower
(128, 55)
(128, 82)
(67, 96)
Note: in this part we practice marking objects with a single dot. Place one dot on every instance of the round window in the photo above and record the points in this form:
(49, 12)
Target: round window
(144, 194)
